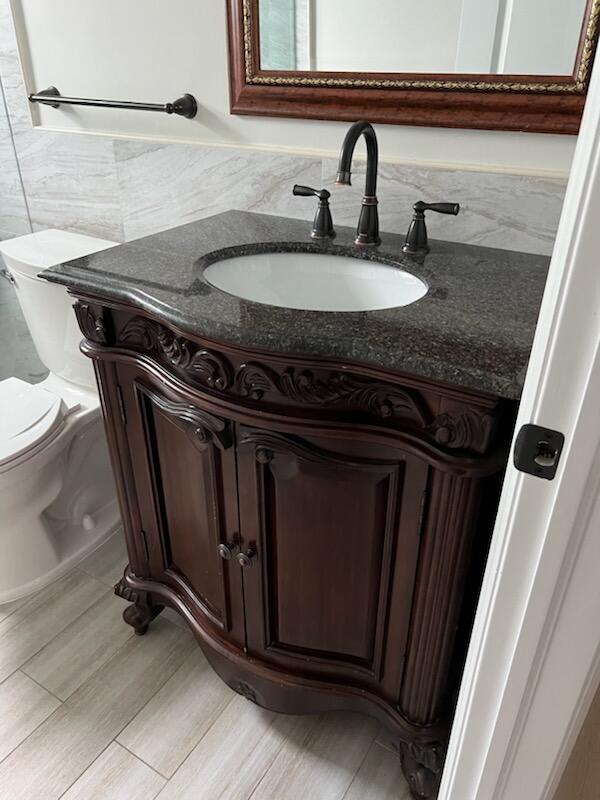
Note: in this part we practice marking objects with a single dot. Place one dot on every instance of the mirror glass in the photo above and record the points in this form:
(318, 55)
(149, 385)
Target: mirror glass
(510, 37)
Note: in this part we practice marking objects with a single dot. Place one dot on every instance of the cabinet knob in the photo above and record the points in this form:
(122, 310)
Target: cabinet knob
(263, 455)
(227, 551)
(248, 558)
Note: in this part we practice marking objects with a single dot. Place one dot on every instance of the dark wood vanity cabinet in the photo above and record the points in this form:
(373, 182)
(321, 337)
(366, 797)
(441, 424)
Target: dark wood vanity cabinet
(314, 523)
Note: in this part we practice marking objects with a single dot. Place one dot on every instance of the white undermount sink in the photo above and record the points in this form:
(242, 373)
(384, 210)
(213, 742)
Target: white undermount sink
(315, 282)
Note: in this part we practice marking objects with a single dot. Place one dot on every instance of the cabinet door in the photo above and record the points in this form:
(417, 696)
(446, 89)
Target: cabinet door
(183, 464)
(332, 528)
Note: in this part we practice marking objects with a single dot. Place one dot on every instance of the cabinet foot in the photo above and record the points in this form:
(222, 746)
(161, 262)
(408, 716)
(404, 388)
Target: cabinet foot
(142, 610)
(422, 767)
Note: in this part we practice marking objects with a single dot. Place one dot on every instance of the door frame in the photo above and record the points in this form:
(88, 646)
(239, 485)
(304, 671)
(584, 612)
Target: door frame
(518, 713)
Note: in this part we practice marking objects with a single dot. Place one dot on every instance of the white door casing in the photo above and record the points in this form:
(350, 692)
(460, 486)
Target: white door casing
(534, 659)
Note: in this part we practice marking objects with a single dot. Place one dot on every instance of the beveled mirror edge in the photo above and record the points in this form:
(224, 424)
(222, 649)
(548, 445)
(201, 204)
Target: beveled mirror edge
(544, 104)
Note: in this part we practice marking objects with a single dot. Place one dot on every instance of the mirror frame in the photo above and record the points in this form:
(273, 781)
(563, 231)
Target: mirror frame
(544, 104)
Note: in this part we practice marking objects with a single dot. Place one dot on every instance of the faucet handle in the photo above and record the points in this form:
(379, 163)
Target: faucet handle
(323, 223)
(308, 191)
(416, 238)
(441, 208)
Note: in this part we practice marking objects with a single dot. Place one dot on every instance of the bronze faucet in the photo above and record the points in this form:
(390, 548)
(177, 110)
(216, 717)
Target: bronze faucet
(367, 232)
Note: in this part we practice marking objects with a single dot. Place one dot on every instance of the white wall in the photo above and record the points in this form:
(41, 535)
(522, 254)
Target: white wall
(398, 37)
(521, 52)
(519, 37)
(153, 50)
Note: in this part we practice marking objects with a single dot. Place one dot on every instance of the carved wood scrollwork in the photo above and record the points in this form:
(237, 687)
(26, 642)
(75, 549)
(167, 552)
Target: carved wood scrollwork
(338, 388)
(142, 610)
(467, 429)
(93, 322)
(199, 426)
(241, 687)
(204, 365)
(422, 766)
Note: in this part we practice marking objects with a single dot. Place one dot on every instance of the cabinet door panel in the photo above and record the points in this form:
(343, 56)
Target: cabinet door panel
(189, 496)
(336, 550)
(184, 465)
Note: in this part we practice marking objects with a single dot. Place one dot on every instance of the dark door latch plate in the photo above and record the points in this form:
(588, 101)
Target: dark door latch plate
(537, 451)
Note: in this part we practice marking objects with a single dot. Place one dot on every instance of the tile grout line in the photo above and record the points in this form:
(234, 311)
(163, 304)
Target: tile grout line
(8, 677)
(61, 631)
(108, 585)
(70, 786)
(114, 739)
(32, 597)
(20, 668)
(139, 758)
(67, 625)
(56, 697)
(390, 748)
(264, 775)
(194, 747)
(360, 766)
(63, 702)
(3, 759)
(139, 711)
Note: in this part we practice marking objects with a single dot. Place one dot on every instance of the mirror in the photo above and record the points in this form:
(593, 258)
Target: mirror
(496, 64)
(523, 37)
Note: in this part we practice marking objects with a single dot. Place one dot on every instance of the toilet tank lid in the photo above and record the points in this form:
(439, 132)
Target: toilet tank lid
(28, 415)
(37, 251)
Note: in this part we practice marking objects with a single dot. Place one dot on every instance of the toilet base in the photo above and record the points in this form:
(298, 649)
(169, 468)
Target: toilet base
(76, 545)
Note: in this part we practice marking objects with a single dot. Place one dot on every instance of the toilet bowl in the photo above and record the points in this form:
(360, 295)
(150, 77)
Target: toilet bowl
(57, 496)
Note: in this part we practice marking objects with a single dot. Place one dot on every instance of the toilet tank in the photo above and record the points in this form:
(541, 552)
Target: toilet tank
(47, 307)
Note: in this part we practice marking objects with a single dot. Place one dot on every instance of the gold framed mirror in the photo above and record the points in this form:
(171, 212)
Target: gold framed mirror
(303, 58)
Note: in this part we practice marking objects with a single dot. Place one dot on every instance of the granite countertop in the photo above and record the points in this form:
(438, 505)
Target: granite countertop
(474, 328)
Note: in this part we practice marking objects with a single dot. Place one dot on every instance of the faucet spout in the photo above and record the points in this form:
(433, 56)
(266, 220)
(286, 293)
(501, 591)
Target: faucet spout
(367, 232)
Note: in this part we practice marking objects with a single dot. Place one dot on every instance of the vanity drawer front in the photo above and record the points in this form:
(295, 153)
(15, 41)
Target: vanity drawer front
(333, 528)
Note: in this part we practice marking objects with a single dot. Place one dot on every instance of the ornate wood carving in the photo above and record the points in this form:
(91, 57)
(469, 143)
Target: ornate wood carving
(245, 690)
(201, 427)
(93, 322)
(142, 611)
(467, 430)
(205, 366)
(463, 429)
(254, 380)
(422, 766)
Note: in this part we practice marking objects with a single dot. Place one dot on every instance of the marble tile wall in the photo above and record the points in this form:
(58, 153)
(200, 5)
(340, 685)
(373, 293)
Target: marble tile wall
(14, 217)
(123, 189)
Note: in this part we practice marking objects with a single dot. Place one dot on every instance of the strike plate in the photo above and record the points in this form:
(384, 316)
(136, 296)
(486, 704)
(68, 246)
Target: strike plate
(537, 451)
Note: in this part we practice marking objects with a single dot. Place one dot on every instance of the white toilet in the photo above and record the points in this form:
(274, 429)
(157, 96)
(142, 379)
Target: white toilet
(57, 496)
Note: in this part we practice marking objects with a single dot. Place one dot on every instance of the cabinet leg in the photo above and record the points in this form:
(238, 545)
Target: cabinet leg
(142, 610)
(422, 767)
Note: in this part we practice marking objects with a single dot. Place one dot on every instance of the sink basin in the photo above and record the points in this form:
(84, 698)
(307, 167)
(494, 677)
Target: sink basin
(315, 282)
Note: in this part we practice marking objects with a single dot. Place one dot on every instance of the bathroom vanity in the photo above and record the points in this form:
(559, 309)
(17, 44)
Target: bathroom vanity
(314, 492)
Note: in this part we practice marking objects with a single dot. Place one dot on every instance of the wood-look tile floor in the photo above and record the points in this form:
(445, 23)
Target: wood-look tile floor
(88, 711)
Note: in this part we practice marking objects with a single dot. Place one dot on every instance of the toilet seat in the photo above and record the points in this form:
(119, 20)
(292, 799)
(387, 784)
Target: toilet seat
(29, 417)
